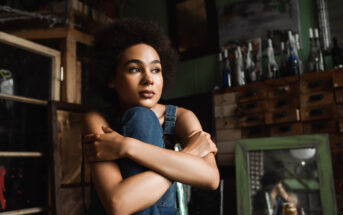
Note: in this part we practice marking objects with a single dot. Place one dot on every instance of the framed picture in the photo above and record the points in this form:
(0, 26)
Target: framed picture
(193, 27)
(244, 20)
(297, 169)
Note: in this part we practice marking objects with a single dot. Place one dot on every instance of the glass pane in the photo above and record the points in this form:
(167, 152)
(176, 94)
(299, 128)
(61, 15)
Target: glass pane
(25, 183)
(24, 73)
(23, 127)
(281, 176)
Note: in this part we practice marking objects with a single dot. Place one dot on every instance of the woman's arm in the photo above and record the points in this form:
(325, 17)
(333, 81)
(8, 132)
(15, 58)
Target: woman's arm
(120, 196)
(187, 166)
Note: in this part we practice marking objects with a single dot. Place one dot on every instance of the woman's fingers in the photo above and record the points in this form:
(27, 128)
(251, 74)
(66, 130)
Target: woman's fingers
(107, 129)
(90, 138)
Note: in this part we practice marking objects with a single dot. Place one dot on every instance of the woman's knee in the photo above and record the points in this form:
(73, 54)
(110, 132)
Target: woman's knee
(141, 123)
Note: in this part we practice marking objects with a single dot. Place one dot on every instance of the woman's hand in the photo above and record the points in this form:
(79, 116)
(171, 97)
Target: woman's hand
(200, 144)
(105, 147)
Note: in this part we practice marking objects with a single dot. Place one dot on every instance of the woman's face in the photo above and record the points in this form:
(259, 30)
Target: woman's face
(138, 80)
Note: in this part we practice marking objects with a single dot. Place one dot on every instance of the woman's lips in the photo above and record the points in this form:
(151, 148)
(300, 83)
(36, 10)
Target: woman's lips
(147, 94)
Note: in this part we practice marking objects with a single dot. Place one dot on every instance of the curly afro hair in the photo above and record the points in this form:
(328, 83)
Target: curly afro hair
(113, 39)
(271, 178)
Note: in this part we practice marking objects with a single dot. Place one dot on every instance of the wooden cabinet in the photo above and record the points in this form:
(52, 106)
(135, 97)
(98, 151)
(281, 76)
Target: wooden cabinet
(307, 104)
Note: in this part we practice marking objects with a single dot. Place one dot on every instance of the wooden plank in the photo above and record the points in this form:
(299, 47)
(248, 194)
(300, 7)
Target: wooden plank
(69, 88)
(21, 43)
(78, 83)
(226, 159)
(225, 110)
(228, 134)
(23, 99)
(226, 147)
(55, 33)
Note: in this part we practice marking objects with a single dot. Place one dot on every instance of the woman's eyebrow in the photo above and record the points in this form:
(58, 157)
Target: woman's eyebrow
(140, 62)
(133, 61)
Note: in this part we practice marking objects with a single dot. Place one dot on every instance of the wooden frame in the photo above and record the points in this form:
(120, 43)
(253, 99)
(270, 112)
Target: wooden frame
(317, 141)
(41, 50)
(77, 190)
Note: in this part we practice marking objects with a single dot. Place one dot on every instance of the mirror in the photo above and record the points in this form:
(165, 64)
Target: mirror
(285, 173)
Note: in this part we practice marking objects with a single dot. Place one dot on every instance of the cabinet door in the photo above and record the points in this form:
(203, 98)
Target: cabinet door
(28, 69)
(24, 156)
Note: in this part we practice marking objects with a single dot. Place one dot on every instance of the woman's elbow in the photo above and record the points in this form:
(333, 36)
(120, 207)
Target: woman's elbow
(215, 181)
(212, 182)
(116, 206)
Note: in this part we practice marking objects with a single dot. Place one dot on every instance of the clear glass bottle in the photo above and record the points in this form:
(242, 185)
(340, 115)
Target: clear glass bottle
(293, 62)
(240, 79)
(273, 68)
(250, 67)
(313, 58)
(283, 60)
(319, 50)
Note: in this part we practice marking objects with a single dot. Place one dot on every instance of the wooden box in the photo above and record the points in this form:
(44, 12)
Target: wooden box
(285, 102)
(316, 98)
(321, 126)
(286, 129)
(281, 116)
(312, 82)
(318, 112)
(252, 119)
(283, 87)
(252, 92)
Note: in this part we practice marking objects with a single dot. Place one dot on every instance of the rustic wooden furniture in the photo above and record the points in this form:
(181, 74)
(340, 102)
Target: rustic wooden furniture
(306, 104)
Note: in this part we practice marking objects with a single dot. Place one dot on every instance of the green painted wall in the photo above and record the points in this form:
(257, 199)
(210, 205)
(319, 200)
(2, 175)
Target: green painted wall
(201, 74)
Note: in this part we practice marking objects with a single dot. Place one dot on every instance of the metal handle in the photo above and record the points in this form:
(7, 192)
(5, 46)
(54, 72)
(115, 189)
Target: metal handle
(314, 84)
(316, 97)
(252, 105)
(252, 118)
(282, 102)
(285, 128)
(316, 112)
(280, 115)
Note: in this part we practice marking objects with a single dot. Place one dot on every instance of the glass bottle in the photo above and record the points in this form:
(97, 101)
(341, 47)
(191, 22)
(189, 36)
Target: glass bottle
(239, 67)
(293, 62)
(273, 68)
(319, 50)
(220, 70)
(313, 59)
(336, 54)
(227, 72)
(250, 68)
(283, 60)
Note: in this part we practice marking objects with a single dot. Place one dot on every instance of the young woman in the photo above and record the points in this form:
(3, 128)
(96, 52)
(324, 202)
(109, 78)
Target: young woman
(128, 145)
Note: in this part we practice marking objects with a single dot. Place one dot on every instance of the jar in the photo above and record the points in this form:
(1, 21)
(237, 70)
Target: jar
(289, 209)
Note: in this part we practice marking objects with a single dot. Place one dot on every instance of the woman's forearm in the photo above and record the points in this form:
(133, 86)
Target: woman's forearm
(129, 195)
(177, 166)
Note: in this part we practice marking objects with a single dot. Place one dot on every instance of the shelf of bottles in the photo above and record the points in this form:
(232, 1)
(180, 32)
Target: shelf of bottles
(242, 64)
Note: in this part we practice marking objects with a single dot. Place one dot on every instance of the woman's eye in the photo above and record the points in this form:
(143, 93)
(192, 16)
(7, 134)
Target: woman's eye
(134, 69)
(157, 70)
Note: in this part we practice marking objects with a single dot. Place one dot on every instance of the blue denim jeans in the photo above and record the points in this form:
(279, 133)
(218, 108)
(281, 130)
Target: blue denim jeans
(141, 123)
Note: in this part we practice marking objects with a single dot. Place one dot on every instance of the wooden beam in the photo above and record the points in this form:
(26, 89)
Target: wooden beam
(55, 33)
(69, 62)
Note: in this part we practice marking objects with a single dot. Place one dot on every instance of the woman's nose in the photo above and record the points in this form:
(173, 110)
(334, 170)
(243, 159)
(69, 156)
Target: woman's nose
(148, 79)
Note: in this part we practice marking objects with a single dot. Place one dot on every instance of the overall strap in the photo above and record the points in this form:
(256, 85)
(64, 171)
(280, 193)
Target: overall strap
(169, 120)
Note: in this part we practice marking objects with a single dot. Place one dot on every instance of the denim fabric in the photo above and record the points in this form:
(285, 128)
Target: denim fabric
(141, 123)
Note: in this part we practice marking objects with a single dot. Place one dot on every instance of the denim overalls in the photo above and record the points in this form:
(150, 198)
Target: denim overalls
(141, 123)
